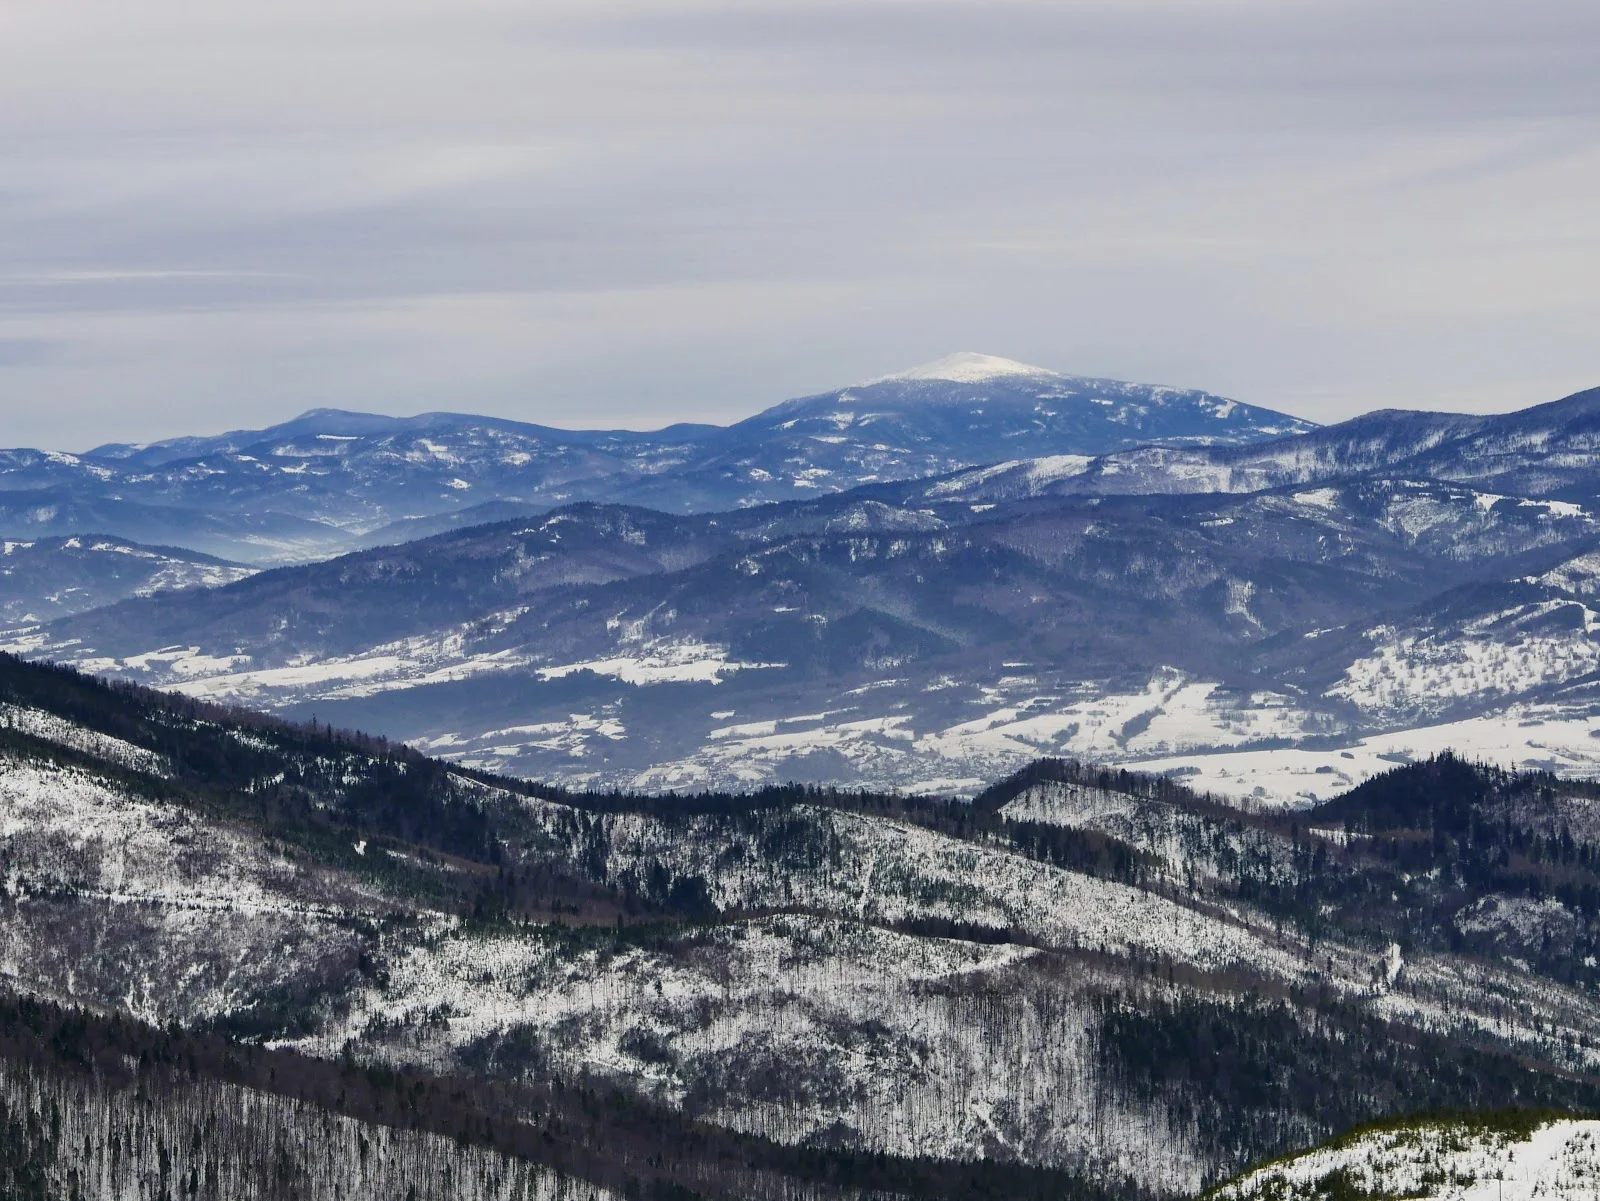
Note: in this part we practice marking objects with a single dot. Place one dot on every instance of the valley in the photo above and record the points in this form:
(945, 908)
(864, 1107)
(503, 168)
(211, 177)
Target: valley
(1092, 824)
(935, 647)
(1270, 610)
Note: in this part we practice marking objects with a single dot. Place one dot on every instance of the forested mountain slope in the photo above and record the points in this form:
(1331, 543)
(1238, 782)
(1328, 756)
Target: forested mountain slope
(1080, 972)
(1547, 451)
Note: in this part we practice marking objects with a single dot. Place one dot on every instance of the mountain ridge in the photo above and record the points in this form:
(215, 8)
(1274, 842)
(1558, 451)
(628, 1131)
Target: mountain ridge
(1546, 450)
(326, 481)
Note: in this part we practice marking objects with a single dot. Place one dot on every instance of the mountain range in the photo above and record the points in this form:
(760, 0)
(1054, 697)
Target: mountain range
(53, 577)
(736, 813)
(330, 481)
(849, 640)
(1547, 451)
(1278, 616)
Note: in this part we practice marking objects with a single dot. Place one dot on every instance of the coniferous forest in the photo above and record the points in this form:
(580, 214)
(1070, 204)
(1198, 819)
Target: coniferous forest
(248, 958)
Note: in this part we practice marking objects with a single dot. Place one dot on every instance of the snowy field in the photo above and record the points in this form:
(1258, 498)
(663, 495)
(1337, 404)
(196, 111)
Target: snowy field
(1538, 737)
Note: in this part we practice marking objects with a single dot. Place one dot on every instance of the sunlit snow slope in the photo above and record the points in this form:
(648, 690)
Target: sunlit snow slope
(1513, 1157)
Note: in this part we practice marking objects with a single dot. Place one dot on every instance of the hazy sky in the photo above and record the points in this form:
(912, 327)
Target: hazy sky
(607, 212)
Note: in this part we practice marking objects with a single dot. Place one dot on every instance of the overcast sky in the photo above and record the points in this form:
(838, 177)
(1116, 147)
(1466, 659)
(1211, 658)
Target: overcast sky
(607, 212)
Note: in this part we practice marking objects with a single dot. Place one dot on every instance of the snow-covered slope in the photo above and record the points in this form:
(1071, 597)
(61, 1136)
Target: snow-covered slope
(1515, 1159)
(1015, 979)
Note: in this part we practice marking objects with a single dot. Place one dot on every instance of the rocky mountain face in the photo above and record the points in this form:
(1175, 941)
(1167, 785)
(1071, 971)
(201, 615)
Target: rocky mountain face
(330, 480)
(915, 642)
(1082, 983)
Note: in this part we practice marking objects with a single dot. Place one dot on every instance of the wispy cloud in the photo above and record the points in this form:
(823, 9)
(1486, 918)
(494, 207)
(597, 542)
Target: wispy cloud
(625, 212)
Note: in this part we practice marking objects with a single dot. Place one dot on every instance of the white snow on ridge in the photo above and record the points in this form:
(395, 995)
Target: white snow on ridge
(1050, 468)
(1559, 1161)
(968, 367)
(1579, 575)
(180, 575)
(971, 479)
(1320, 498)
(1499, 655)
(127, 849)
(190, 919)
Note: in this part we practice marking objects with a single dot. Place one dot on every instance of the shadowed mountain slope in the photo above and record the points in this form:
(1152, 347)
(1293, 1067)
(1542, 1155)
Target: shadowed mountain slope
(850, 639)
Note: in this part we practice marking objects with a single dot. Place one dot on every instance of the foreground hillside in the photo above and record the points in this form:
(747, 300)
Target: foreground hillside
(96, 1108)
(1520, 1155)
(1087, 974)
(105, 1107)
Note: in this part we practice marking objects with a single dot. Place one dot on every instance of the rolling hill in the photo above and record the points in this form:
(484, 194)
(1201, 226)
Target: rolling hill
(925, 643)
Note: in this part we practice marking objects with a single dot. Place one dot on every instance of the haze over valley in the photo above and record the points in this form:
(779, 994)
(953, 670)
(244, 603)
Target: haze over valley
(871, 587)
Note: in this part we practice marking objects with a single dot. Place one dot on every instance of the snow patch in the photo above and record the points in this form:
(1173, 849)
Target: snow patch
(969, 367)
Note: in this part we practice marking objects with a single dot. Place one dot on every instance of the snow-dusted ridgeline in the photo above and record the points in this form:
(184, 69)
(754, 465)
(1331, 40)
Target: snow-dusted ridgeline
(1556, 1160)
(37, 723)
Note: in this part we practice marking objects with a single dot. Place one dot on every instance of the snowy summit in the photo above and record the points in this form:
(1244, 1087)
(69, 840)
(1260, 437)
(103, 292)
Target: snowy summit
(968, 367)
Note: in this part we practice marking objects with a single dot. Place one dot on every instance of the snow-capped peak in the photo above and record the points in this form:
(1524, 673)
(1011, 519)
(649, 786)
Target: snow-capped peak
(968, 367)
